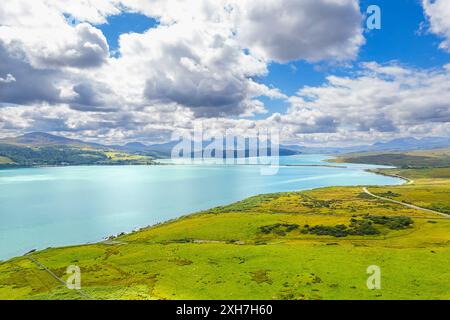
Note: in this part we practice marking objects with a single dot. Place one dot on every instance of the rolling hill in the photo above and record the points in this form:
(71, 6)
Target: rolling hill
(39, 139)
(414, 159)
(42, 149)
(38, 148)
(307, 245)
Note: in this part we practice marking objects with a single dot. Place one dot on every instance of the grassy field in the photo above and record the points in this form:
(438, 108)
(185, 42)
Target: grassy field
(413, 159)
(123, 157)
(5, 160)
(63, 155)
(301, 245)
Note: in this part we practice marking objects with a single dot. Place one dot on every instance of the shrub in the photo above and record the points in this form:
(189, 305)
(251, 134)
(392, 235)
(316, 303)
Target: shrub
(393, 223)
(279, 228)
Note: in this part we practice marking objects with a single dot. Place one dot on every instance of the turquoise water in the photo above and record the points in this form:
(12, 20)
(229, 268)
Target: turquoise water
(42, 207)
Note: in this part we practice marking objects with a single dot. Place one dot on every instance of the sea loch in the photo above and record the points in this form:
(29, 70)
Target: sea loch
(42, 207)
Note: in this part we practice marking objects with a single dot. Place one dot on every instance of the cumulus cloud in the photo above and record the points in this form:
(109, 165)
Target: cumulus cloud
(375, 102)
(50, 60)
(378, 98)
(47, 39)
(195, 67)
(30, 84)
(92, 11)
(87, 47)
(148, 124)
(438, 13)
(8, 79)
(203, 60)
(288, 30)
(202, 56)
(196, 63)
(27, 84)
(197, 57)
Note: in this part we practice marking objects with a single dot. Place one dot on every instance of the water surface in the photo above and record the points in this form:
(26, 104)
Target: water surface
(42, 207)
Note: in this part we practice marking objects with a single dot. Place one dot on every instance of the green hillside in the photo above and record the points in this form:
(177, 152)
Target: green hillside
(414, 159)
(5, 160)
(60, 155)
(301, 245)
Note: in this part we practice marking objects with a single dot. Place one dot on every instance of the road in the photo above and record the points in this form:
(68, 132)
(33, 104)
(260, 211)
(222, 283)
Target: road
(406, 204)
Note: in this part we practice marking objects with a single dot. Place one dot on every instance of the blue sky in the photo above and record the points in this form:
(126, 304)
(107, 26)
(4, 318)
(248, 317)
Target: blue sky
(400, 39)
(183, 61)
(124, 23)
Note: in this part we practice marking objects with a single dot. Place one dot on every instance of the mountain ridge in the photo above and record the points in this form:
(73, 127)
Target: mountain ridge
(40, 139)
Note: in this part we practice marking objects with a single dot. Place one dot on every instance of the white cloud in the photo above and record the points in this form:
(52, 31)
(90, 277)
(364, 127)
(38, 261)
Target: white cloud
(379, 99)
(92, 11)
(379, 102)
(438, 13)
(52, 60)
(197, 57)
(195, 65)
(8, 79)
(193, 61)
(288, 30)
(203, 61)
(196, 60)
(42, 33)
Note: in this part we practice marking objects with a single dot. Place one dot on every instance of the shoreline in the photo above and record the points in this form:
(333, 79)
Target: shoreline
(114, 237)
(9, 167)
(377, 171)
(315, 165)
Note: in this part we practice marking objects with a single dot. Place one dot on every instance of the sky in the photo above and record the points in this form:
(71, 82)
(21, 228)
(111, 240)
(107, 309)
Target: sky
(116, 71)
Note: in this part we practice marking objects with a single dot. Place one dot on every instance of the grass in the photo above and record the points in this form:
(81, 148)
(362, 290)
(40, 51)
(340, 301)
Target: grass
(251, 250)
(123, 156)
(414, 159)
(431, 188)
(424, 174)
(5, 160)
(62, 155)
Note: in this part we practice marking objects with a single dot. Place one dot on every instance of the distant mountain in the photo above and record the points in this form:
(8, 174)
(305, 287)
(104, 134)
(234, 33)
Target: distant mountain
(135, 146)
(413, 144)
(40, 139)
(164, 150)
(43, 149)
(434, 158)
(396, 145)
